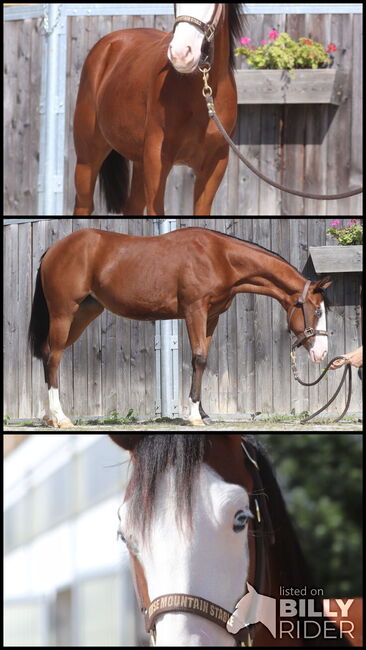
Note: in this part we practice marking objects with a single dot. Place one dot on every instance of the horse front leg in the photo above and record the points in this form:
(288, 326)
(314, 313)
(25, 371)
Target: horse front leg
(208, 180)
(85, 179)
(91, 151)
(200, 331)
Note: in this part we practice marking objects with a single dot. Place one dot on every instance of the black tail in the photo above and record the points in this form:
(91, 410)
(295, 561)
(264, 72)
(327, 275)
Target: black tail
(114, 180)
(40, 319)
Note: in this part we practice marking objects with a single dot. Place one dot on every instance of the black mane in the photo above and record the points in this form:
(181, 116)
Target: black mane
(235, 27)
(154, 455)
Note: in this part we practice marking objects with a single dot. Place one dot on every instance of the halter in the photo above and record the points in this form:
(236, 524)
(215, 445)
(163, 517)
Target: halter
(187, 603)
(308, 332)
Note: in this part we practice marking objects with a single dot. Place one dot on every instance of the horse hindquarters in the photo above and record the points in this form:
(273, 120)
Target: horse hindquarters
(57, 321)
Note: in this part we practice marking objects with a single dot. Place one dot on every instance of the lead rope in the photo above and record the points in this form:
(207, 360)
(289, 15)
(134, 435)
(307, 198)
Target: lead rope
(313, 383)
(207, 93)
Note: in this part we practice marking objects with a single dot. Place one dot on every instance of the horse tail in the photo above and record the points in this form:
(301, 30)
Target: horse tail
(114, 180)
(40, 319)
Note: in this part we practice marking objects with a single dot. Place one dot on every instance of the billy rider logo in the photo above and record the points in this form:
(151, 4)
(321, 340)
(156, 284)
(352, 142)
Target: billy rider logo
(295, 617)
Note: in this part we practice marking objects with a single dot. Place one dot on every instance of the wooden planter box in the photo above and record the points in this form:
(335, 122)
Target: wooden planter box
(276, 86)
(336, 259)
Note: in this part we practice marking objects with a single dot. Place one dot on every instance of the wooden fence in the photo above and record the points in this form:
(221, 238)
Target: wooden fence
(112, 366)
(315, 147)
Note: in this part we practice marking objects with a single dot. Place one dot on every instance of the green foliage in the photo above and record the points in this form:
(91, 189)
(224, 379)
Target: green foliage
(351, 234)
(321, 475)
(283, 53)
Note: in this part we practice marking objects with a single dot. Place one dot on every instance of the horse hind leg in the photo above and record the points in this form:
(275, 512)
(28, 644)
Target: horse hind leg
(136, 202)
(64, 331)
(52, 353)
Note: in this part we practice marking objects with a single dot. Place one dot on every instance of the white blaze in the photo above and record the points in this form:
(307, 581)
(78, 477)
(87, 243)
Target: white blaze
(320, 348)
(184, 50)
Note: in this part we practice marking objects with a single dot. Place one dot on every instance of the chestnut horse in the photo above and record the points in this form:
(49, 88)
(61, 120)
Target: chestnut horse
(140, 100)
(192, 273)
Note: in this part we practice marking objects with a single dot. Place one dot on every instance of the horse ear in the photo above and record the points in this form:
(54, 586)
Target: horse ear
(324, 283)
(127, 442)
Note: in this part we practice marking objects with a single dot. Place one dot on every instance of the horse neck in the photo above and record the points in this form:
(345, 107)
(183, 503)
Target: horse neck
(266, 274)
(220, 64)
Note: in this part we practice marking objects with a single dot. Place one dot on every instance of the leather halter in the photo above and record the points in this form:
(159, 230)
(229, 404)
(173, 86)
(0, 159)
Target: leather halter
(187, 603)
(308, 332)
(208, 29)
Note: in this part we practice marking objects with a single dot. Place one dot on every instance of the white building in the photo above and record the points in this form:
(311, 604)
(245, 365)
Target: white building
(67, 579)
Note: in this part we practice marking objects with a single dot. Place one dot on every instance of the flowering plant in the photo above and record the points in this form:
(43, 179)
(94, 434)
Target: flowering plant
(352, 233)
(283, 53)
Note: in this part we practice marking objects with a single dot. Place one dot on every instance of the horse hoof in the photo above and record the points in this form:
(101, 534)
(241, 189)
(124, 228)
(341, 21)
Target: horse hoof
(196, 423)
(65, 424)
(50, 422)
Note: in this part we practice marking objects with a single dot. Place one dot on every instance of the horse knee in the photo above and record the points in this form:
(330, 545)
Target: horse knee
(199, 361)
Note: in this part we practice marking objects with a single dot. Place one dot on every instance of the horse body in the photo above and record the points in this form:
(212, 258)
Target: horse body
(133, 105)
(192, 274)
(109, 79)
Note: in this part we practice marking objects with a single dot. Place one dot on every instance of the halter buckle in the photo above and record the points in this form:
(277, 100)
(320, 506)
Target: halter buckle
(209, 33)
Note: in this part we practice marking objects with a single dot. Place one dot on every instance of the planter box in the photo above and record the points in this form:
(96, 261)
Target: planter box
(336, 259)
(276, 86)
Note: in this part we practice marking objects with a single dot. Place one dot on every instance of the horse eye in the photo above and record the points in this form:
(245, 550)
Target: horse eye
(318, 312)
(129, 542)
(240, 521)
(121, 537)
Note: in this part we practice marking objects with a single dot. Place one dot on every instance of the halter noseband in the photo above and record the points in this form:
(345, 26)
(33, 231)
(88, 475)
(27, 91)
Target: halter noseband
(308, 332)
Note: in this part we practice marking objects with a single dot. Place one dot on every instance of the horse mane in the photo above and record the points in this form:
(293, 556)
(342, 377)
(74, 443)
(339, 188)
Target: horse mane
(153, 456)
(236, 22)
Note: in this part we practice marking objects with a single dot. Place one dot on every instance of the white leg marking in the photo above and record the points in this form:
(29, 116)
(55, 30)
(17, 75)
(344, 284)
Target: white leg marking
(58, 417)
(46, 403)
(195, 416)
